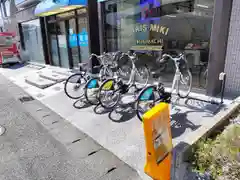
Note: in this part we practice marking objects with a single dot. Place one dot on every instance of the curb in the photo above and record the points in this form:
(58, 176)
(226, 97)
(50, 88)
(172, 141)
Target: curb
(183, 150)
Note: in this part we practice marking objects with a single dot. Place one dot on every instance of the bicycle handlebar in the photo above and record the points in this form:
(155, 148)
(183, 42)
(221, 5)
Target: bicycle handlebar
(175, 59)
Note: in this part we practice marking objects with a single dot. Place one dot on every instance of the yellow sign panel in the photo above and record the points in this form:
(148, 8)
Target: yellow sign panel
(59, 10)
(156, 123)
(146, 48)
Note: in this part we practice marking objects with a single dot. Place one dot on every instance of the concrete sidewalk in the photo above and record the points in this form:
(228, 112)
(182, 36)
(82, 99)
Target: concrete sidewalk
(118, 130)
(39, 144)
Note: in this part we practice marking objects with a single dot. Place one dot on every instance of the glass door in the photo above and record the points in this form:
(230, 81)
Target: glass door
(62, 42)
(83, 38)
(74, 42)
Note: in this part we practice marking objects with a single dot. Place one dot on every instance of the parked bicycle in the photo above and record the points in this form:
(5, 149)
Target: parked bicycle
(112, 89)
(91, 88)
(75, 84)
(153, 94)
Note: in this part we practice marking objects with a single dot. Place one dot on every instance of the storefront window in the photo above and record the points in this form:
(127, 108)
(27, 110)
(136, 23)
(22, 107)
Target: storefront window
(54, 44)
(69, 38)
(152, 27)
(33, 40)
(83, 38)
(73, 43)
(62, 41)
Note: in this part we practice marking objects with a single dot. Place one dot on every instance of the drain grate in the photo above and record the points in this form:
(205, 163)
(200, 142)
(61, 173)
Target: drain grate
(92, 153)
(76, 140)
(110, 170)
(54, 122)
(26, 98)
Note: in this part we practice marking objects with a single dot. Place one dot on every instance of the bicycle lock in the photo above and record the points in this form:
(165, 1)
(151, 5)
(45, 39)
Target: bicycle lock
(222, 78)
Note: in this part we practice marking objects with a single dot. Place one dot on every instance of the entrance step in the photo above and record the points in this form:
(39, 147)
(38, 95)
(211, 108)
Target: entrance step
(35, 65)
(61, 71)
(36, 80)
(53, 76)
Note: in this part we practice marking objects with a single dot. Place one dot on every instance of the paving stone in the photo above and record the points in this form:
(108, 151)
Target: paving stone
(53, 76)
(121, 173)
(83, 148)
(39, 82)
(102, 161)
(67, 134)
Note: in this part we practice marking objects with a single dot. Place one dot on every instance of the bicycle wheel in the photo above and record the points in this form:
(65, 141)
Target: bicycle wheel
(74, 85)
(105, 72)
(109, 93)
(203, 77)
(146, 100)
(185, 83)
(91, 91)
(142, 76)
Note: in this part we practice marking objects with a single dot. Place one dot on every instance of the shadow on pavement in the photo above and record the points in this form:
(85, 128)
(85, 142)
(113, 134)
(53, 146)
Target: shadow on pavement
(100, 110)
(122, 113)
(81, 103)
(180, 123)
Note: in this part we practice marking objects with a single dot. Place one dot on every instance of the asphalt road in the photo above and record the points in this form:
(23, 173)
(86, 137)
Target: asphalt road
(39, 145)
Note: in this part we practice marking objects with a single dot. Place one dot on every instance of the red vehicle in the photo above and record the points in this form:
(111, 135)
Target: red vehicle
(9, 52)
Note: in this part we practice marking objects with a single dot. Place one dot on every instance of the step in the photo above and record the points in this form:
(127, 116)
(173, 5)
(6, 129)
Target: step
(36, 80)
(35, 65)
(53, 76)
(61, 71)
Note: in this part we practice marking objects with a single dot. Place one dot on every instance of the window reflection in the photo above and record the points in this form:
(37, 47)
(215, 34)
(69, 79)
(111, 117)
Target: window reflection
(33, 40)
(153, 27)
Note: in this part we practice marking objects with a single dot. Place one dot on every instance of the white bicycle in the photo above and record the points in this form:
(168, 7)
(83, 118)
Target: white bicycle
(112, 89)
(154, 94)
(182, 81)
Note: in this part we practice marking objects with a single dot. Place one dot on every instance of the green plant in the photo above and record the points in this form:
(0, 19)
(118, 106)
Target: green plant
(219, 156)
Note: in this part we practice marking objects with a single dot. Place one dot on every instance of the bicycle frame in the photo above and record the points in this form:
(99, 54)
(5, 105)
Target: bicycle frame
(177, 75)
(134, 71)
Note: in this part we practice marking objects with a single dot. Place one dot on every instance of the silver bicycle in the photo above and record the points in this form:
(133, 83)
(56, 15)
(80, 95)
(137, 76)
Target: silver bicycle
(182, 81)
(74, 85)
(112, 89)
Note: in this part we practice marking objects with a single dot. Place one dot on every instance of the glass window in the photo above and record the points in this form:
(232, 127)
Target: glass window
(83, 38)
(33, 40)
(151, 27)
(54, 44)
(62, 42)
(73, 43)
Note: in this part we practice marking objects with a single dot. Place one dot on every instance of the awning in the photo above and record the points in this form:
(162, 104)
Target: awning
(50, 7)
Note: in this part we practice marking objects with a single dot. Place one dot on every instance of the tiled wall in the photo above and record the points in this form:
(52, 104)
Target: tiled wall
(232, 64)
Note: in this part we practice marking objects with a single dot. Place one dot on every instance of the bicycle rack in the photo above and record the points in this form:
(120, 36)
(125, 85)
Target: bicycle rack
(222, 77)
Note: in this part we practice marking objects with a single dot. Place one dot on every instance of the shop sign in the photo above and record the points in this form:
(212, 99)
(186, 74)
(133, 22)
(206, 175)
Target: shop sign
(82, 38)
(154, 44)
(151, 28)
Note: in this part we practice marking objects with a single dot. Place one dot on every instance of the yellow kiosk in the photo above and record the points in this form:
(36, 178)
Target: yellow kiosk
(158, 140)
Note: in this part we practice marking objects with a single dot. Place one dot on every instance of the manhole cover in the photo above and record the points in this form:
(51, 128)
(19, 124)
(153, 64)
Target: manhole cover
(2, 130)
(26, 98)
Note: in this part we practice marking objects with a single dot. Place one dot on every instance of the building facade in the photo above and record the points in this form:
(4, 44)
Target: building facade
(64, 33)
(199, 28)
(56, 32)
(232, 65)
